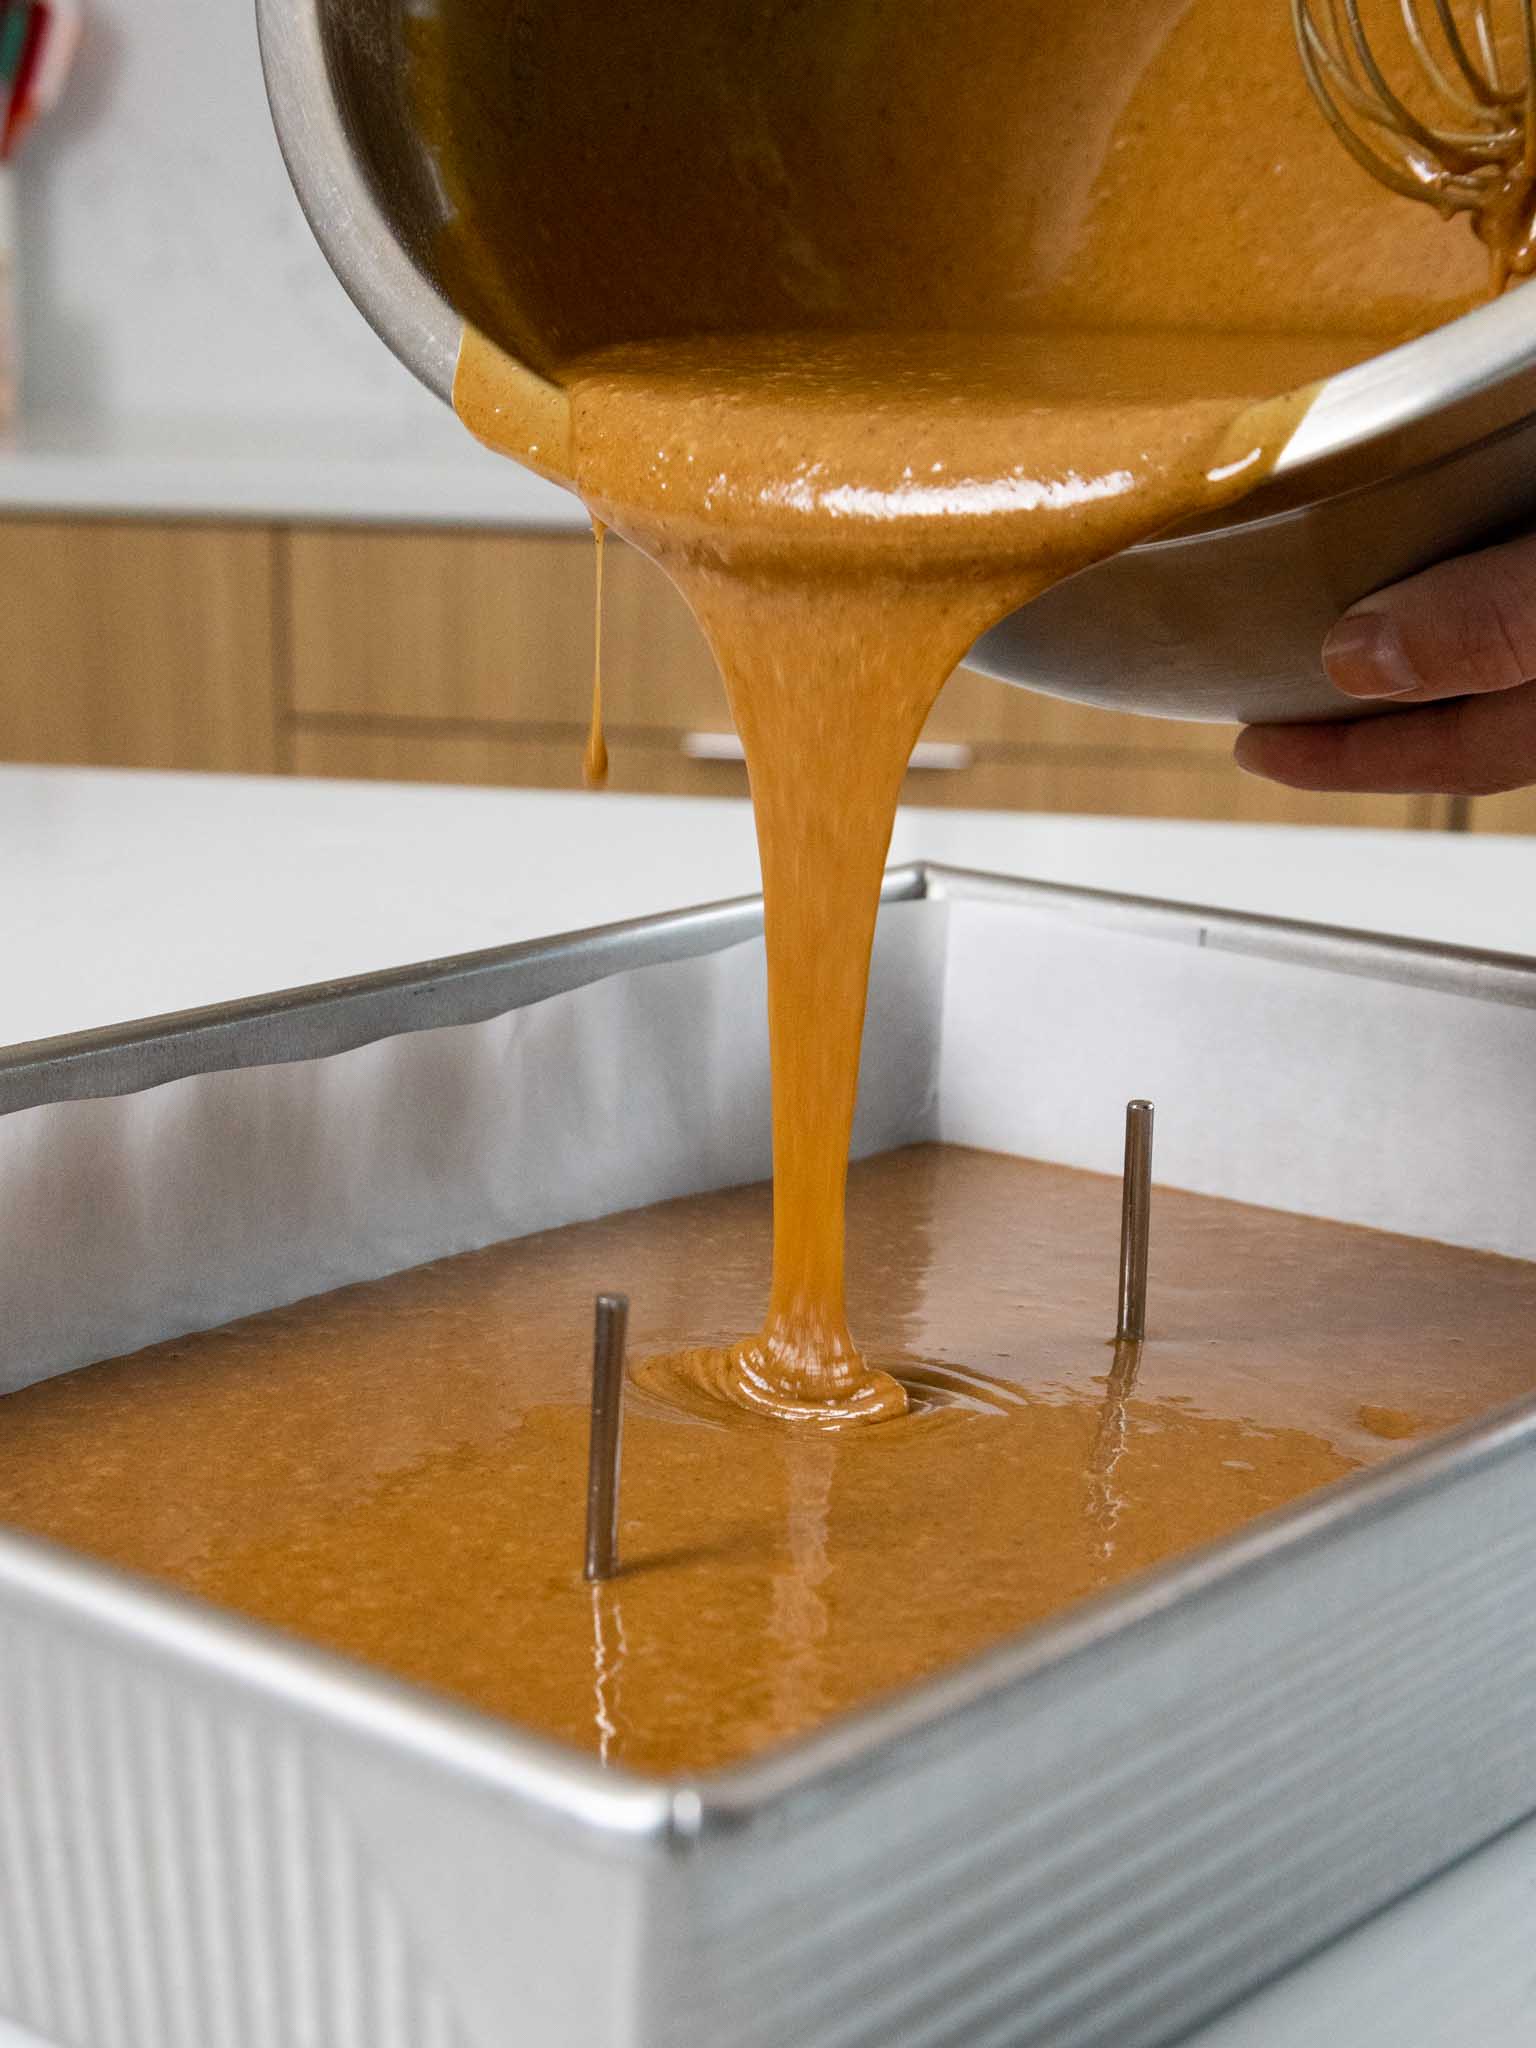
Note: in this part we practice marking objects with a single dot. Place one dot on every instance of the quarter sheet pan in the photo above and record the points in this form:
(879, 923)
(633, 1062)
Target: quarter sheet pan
(1091, 1838)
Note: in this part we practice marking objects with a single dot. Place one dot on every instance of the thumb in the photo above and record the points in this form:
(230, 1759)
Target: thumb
(1459, 629)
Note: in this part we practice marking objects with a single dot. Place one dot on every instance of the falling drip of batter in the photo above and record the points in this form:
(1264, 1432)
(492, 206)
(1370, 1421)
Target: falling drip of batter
(594, 766)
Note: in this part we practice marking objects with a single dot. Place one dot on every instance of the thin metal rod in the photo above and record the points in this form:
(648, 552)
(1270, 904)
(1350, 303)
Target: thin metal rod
(1135, 1223)
(606, 1441)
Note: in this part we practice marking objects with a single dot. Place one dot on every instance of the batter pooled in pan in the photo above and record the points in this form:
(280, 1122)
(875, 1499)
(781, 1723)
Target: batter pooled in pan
(398, 1470)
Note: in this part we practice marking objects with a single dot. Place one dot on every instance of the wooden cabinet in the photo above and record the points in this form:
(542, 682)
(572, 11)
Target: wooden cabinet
(447, 657)
(467, 657)
(1515, 812)
(128, 644)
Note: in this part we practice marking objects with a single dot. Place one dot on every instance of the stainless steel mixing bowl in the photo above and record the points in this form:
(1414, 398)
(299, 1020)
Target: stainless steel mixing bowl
(1415, 455)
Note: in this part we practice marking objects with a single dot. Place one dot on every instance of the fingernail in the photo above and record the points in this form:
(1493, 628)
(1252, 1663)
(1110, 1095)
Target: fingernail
(1364, 656)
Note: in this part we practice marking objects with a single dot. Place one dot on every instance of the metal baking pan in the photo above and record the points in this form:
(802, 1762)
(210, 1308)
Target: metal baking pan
(1095, 1836)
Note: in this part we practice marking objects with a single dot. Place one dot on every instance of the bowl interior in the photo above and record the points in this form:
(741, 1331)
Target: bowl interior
(547, 238)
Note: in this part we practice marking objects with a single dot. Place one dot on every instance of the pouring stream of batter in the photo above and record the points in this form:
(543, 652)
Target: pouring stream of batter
(827, 442)
(839, 589)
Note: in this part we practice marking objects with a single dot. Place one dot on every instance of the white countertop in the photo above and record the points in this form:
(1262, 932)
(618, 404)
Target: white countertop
(130, 894)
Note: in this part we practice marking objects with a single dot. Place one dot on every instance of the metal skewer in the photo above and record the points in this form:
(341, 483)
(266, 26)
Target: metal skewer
(611, 1322)
(1135, 1223)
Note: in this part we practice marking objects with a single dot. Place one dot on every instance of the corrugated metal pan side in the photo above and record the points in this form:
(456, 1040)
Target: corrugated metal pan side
(1110, 1850)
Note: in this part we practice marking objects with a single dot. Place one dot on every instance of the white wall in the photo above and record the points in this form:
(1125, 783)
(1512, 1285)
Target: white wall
(165, 268)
